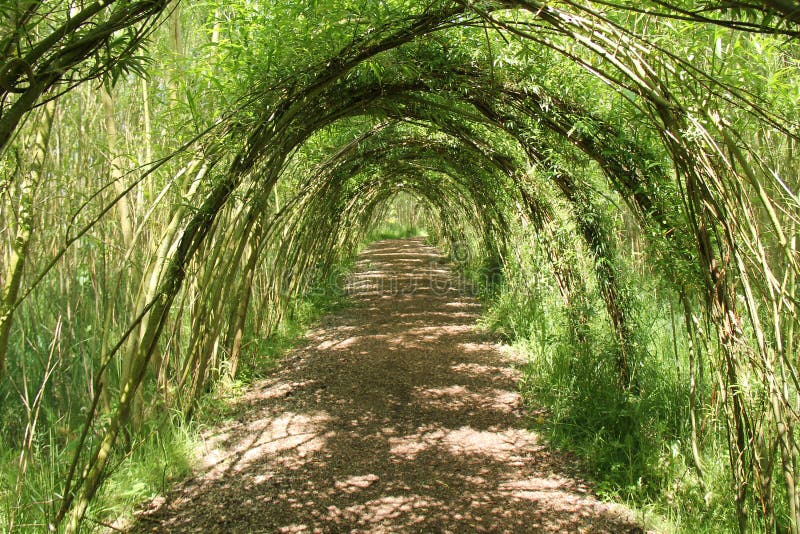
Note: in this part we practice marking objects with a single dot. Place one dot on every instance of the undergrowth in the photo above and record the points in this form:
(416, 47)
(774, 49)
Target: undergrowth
(393, 230)
(160, 454)
(635, 442)
(161, 451)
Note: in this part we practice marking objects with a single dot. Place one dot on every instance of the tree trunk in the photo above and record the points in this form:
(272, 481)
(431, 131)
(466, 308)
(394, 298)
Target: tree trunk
(26, 193)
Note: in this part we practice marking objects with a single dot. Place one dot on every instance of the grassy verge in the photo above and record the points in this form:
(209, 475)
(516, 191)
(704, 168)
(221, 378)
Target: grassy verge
(161, 452)
(635, 444)
(393, 231)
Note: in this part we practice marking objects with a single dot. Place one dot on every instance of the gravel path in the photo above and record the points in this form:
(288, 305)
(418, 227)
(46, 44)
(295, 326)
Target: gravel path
(396, 415)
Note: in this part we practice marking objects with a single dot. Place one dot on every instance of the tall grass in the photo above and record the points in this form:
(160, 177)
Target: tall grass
(634, 443)
(393, 230)
(159, 453)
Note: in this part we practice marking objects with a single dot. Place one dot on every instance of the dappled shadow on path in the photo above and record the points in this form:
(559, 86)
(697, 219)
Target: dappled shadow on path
(397, 415)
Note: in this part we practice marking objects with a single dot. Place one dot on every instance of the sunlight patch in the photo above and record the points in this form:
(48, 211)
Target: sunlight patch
(458, 397)
(390, 507)
(356, 483)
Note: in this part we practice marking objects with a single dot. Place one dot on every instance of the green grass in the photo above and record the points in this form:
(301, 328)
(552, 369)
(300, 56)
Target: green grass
(393, 231)
(161, 454)
(162, 451)
(165, 454)
(634, 444)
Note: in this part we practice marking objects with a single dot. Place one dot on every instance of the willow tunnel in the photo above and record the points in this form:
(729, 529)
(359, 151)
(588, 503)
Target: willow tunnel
(580, 147)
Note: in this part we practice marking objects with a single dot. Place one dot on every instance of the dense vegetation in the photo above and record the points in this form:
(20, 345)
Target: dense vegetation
(182, 182)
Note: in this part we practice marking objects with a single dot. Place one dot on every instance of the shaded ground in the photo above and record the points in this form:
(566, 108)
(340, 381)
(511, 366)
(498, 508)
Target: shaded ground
(397, 415)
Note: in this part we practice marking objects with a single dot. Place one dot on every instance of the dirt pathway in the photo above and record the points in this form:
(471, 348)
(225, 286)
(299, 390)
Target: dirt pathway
(397, 415)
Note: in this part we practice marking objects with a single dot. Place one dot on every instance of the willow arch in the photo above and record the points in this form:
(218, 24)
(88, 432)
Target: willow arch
(449, 124)
(328, 98)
